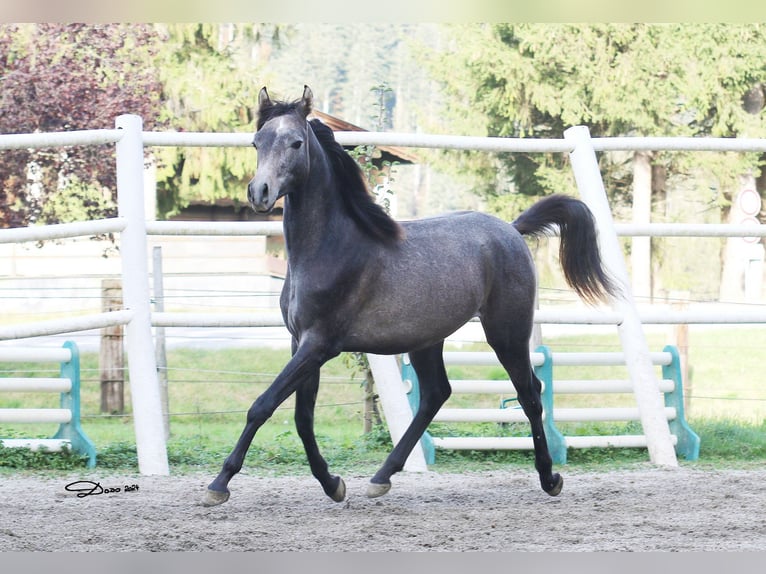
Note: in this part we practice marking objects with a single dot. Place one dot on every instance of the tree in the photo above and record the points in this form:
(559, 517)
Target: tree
(210, 82)
(57, 77)
(341, 63)
(533, 80)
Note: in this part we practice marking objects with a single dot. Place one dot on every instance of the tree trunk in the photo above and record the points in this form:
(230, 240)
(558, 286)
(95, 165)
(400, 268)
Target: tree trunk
(371, 412)
(641, 247)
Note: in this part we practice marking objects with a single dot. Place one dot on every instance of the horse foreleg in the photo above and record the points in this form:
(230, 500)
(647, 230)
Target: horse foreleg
(434, 391)
(305, 363)
(305, 400)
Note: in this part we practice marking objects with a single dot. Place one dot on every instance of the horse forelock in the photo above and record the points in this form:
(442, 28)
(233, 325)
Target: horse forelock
(277, 109)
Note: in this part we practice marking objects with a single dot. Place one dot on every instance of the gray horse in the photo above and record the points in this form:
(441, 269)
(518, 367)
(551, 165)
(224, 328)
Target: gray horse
(359, 281)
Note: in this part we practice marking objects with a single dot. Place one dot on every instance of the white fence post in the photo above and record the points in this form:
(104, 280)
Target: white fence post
(637, 357)
(142, 368)
(396, 407)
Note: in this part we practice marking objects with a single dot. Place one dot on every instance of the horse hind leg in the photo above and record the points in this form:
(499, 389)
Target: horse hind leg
(551, 482)
(434, 391)
(514, 356)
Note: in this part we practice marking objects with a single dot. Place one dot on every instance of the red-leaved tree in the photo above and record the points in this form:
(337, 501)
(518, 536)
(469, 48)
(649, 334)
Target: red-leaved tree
(59, 77)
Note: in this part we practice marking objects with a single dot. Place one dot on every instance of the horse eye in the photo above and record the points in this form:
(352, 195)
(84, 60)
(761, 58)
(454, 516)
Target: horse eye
(296, 144)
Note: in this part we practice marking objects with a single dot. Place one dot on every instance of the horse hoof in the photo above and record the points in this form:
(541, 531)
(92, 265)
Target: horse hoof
(340, 493)
(375, 490)
(556, 487)
(215, 497)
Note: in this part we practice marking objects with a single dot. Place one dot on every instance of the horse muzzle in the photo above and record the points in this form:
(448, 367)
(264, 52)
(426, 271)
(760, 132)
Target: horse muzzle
(261, 196)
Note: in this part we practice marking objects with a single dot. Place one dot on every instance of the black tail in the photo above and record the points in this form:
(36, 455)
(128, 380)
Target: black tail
(578, 252)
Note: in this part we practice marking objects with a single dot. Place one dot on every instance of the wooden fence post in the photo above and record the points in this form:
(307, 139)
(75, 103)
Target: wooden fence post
(681, 342)
(111, 359)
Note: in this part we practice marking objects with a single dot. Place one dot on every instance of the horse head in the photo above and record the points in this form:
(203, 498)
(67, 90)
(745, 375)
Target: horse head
(281, 141)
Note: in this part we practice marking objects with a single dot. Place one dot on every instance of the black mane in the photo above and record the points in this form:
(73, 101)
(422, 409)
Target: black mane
(359, 202)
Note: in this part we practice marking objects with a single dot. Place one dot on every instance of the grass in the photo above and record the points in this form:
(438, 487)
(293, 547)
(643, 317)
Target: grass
(210, 391)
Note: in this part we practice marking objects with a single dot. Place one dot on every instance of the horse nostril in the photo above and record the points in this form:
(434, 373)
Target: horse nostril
(257, 194)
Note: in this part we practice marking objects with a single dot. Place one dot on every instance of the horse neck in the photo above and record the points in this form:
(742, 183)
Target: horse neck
(314, 216)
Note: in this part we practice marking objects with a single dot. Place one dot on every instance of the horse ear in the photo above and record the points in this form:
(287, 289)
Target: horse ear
(263, 98)
(307, 100)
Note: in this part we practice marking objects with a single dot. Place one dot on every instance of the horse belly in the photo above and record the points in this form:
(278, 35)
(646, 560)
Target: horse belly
(402, 320)
(442, 277)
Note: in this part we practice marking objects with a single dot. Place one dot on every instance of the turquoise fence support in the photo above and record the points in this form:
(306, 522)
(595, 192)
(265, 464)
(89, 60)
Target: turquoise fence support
(688, 444)
(556, 442)
(72, 431)
(413, 396)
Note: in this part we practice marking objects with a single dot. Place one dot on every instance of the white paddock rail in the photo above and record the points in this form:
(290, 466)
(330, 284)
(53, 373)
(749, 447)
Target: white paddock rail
(70, 434)
(36, 385)
(558, 443)
(130, 140)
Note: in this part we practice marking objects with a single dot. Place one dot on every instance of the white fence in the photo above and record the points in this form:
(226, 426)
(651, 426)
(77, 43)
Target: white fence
(70, 434)
(132, 224)
(685, 441)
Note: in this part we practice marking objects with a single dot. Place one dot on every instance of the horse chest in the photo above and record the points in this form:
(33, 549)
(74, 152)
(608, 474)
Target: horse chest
(313, 301)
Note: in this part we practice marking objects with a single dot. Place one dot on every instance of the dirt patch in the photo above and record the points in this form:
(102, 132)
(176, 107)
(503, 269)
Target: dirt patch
(632, 510)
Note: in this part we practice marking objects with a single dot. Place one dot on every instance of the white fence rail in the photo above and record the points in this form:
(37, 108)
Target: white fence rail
(130, 140)
(63, 230)
(59, 139)
(70, 434)
(683, 439)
